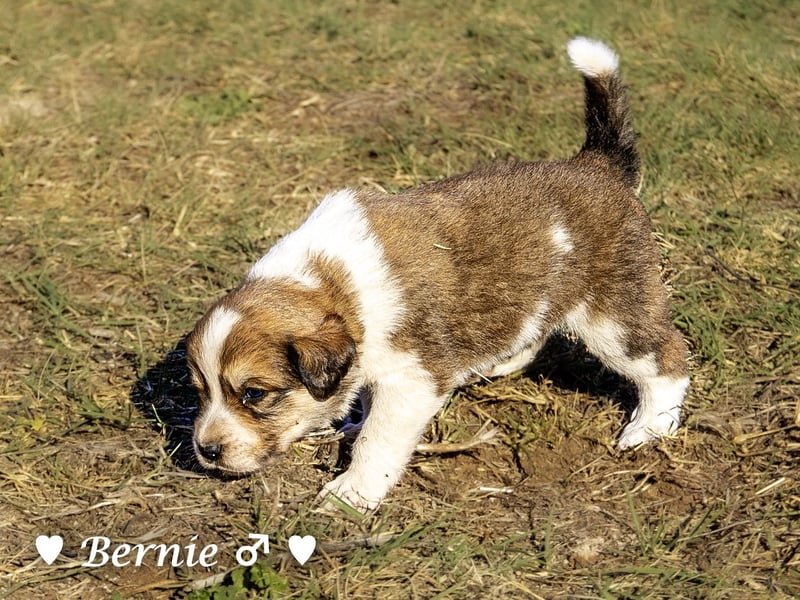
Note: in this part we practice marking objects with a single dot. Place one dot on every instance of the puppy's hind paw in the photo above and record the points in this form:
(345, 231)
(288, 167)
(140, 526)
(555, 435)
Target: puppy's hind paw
(635, 436)
(641, 431)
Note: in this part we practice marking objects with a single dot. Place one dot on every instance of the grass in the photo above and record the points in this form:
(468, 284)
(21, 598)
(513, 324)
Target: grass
(150, 151)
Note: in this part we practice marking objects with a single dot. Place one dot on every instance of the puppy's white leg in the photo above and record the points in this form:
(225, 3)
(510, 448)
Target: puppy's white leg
(402, 405)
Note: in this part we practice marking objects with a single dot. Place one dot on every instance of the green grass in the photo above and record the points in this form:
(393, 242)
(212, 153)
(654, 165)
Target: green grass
(150, 151)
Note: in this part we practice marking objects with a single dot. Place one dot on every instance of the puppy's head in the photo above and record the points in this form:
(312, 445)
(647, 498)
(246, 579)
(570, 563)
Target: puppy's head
(270, 362)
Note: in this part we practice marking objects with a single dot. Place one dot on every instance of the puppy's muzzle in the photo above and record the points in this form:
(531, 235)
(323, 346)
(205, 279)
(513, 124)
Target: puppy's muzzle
(211, 452)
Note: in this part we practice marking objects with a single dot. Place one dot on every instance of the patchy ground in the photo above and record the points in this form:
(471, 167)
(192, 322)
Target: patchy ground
(150, 151)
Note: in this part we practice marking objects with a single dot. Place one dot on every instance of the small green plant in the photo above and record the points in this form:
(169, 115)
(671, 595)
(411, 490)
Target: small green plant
(260, 578)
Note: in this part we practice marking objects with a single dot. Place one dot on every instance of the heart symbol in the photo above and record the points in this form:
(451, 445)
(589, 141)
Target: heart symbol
(302, 547)
(49, 547)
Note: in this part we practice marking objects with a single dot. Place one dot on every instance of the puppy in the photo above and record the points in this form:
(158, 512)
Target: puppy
(408, 296)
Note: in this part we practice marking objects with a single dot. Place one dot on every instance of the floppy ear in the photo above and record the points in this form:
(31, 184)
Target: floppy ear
(323, 359)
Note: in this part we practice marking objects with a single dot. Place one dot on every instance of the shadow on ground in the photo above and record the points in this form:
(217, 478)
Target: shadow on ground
(165, 396)
(572, 368)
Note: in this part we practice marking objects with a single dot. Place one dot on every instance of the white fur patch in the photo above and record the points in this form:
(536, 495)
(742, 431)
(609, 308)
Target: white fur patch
(561, 238)
(218, 424)
(532, 328)
(216, 331)
(592, 57)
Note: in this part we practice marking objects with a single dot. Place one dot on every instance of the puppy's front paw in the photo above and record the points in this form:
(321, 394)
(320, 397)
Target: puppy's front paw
(348, 489)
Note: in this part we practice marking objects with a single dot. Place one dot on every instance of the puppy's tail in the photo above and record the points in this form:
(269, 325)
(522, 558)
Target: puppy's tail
(608, 124)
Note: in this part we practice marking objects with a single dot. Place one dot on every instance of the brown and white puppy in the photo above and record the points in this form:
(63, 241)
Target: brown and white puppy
(410, 295)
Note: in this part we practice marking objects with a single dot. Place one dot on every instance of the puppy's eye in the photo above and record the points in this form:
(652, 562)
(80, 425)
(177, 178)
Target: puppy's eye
(252, 395)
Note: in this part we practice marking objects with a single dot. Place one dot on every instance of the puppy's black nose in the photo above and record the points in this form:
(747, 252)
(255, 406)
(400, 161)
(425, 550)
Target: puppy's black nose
(210, 452)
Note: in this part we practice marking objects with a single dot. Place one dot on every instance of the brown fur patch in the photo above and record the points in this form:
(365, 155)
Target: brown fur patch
(474, 255)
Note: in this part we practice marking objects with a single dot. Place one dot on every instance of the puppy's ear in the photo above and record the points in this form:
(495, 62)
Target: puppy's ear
(324, 358)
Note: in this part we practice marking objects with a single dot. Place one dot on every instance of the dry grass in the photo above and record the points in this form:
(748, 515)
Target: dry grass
(149, 151)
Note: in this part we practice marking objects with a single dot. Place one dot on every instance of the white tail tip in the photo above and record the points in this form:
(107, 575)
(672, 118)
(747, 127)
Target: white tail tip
(591, 57)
